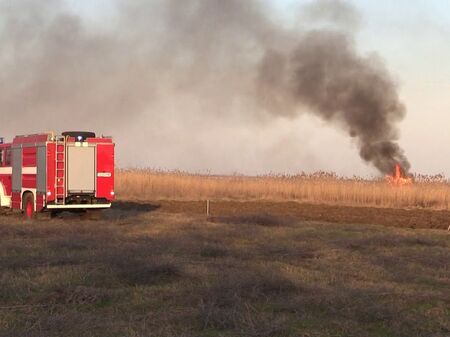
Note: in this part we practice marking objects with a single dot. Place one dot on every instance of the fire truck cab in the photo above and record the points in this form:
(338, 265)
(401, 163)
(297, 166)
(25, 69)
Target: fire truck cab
(71, 171)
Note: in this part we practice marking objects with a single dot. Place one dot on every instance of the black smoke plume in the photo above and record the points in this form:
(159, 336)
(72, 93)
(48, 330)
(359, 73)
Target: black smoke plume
(152, 62)
(326, 75)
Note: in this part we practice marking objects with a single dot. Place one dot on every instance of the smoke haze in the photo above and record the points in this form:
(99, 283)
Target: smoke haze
(170, 69)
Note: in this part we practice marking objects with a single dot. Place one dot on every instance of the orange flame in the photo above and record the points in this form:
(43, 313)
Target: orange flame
(398, 178)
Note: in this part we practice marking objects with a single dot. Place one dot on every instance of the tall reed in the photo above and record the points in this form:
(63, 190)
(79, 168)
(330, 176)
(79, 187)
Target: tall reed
(326, 188)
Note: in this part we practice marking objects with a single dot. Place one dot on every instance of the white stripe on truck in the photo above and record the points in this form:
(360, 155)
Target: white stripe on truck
(29, 170)
(5, 170)
(25, 170)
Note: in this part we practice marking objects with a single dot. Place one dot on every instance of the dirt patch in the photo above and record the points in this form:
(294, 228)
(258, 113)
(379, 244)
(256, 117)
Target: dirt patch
(265, 213)
(264, 220)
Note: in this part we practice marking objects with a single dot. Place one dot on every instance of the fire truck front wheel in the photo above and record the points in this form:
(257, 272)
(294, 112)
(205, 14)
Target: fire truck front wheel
(28, 205)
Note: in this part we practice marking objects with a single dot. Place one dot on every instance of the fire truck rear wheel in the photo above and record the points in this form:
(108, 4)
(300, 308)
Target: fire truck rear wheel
(28, 205)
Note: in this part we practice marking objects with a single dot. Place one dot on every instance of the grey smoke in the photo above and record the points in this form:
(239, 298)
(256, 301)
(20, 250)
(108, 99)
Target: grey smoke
(160, 61)
(338, 13)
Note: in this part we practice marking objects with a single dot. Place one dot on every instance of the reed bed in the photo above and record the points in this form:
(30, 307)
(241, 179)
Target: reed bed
(431, 192)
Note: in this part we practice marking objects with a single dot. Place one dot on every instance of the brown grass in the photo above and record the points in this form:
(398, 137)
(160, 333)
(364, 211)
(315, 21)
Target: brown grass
(426, 192)
(142, 273)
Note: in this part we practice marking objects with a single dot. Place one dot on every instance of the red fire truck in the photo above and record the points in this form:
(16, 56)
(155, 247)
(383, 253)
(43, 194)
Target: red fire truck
(71, 171)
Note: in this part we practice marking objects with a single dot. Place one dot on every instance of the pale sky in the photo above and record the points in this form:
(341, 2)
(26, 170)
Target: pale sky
(412, 36)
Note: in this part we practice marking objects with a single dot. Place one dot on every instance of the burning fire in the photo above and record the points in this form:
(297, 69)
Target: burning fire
(398, 178)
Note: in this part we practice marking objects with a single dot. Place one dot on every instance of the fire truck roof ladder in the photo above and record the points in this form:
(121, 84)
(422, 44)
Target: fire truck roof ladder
(60, 174)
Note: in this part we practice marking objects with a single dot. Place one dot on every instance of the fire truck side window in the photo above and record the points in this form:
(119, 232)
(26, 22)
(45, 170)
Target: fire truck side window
(8, 157)
(1, 157)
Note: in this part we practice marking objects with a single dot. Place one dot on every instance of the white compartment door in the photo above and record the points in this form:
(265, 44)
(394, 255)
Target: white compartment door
(81, 169)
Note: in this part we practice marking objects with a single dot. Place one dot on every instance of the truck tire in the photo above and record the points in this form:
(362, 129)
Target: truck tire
(28, 206)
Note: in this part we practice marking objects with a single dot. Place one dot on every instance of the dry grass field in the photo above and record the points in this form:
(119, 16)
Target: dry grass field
(278, 256)
(143, 272)
(320, 188)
